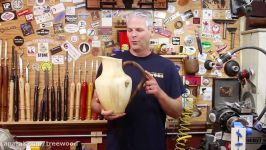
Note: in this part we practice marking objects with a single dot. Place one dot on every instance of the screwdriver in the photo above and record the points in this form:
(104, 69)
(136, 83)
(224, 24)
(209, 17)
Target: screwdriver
(90, 91)
(72, 93)
(84, 93)
(27, 93)
(5, 86)
(78, 89)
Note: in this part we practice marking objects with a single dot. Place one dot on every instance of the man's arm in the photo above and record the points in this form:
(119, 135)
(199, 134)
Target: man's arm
(172, 107)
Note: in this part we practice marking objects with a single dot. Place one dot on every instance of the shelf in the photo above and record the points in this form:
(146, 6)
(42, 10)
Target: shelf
(174, 56)
(69, 122)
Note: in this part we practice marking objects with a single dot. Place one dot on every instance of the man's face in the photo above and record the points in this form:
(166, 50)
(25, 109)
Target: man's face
(138, 33)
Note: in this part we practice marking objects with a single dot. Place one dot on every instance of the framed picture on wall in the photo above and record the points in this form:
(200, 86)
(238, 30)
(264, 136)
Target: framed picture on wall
(225, 90)
(122, 39)
(127, 4)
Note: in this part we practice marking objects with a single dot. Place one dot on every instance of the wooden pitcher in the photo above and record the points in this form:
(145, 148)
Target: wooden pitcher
(114, 87)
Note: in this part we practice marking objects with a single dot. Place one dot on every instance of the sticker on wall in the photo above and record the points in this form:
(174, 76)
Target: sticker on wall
(74, 38)
(178, 32)
(26, 28)
(163, 32)
(84, 48)
(58, 28)
(58, 59)
(42, 57)
(29, 17)
(91, 32)
(39, 2)
(8, 15)
(71, 28)
(42, 32)
(109, 44)
(206, 14)
(18, 41)
(215, 28)
(43, 47)
(196, 13)
(105, 38)
(189, 50)
(17, 4)
(171, 9)
(72, 51)
(206, 46)
(202, 69)
(206, 28)
(6, 6)
(55, 50)
(202, 57)
(159, 14)
(95, 16)
(45, 17)
(158, 22)
(58, 8)
(46, 25)
(176, 40)
(46, 66)
(187, 15)
(96, 43)
(71, 19)
(104, 31)
(31, 51)
(59, 17)
(189, 40)
(196, 20)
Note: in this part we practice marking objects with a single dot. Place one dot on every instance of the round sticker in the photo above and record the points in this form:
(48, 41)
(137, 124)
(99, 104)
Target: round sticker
(84, 48)
(36, 66)
(189, 50)
(202, 69)
(17, 4)
(18, 41)
(6, 16)
(186, 94)
(82, 24)
(46, 66)
(189, 40)
(74, 38)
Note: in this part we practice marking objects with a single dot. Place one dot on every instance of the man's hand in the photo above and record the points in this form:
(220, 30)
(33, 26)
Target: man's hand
(151, 86)
(109, 115)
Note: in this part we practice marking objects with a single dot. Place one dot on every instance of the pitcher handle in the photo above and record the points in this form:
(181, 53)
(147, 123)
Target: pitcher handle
(143, 79)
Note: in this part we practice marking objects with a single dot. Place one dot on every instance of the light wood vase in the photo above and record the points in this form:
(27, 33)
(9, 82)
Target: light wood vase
(113, 86)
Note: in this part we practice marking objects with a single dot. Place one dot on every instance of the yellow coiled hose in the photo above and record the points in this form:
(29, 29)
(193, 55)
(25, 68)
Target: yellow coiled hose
(184, 122)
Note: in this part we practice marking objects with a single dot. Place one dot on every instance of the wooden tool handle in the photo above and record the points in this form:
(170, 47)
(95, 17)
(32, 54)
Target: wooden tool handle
(84, 94)
(53, 103)
(35, 103)
(11, 102)
(90, 91)
(16, 98)
(65, 117)
(21, 96)
(78, 90)
(59, 103)
(27, 92)
(72, 98)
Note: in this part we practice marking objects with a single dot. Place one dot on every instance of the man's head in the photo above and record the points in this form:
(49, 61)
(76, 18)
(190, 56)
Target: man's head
(139, 30)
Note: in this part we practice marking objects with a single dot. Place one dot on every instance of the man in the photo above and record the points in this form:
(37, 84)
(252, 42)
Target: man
(142, 126)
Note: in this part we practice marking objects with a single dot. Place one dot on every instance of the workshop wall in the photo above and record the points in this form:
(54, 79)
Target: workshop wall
(49, 29)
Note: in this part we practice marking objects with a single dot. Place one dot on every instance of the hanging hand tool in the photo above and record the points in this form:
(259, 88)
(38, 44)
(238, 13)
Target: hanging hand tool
(5, 86)
(52, 97)
(72, 93)
(1, 101)
(84, 93)
(78, 89)
(21, 89)
(198, 41)
(27, 93)
(59, 97)
(42, 109)
(66, 90)
(16, 85)
(90, 91)
(95, 115)
(36, 95)
(11, 89)
(46, 100)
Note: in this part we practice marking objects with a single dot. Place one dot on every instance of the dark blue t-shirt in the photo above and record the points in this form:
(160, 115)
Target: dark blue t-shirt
(143, 126)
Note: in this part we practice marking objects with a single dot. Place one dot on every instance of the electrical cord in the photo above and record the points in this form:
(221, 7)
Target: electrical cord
(185, 121)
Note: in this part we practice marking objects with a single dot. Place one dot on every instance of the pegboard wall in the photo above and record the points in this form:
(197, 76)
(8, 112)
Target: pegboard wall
(42, 32)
